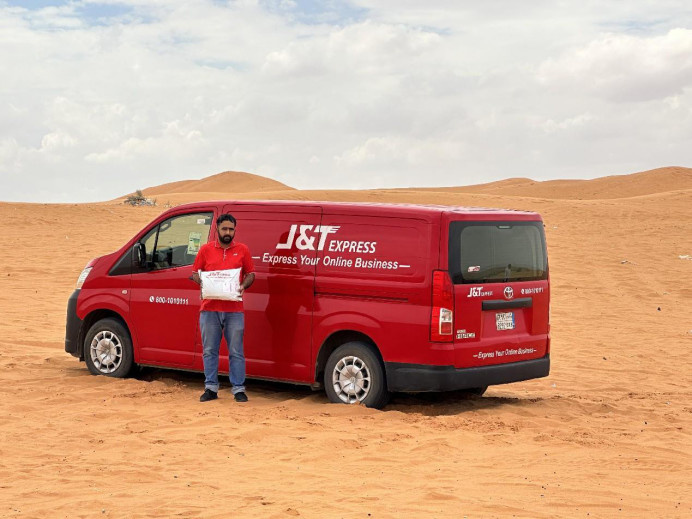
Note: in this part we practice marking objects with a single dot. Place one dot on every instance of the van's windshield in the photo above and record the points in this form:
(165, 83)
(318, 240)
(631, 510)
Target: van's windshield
(487, 252)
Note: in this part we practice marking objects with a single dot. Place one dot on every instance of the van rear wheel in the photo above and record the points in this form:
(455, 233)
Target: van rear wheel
(354, 374)
(108, 349)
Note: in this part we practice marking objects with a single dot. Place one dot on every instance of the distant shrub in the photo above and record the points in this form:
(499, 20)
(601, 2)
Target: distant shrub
(139, 199)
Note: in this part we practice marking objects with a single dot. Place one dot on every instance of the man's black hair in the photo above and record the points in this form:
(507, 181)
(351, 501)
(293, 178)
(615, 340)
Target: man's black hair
(225, 217)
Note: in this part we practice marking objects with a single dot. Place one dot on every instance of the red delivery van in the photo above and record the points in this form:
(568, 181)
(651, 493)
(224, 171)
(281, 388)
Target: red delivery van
(358, 299)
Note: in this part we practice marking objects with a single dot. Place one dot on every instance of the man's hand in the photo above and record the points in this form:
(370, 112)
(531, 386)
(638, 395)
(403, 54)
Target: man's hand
(247, 282)
(195, 277)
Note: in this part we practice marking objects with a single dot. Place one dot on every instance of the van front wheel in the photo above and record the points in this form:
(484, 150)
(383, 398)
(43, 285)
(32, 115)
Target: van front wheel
(354, 374)
(108, 349)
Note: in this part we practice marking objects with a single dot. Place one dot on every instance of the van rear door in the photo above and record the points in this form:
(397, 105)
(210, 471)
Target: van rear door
(500, 274)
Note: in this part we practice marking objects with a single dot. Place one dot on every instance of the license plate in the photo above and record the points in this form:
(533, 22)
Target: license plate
(505, 321)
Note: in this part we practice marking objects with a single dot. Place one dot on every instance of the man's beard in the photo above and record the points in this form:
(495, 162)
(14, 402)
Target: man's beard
(225, 239)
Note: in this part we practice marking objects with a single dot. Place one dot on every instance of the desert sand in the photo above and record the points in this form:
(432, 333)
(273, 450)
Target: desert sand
(607, 434)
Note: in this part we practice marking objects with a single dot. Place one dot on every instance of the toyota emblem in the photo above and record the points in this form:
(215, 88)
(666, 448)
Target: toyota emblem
(509, 293)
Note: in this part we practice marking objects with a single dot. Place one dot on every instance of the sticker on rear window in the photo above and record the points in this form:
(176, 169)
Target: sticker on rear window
(504, 320)
(474, 268)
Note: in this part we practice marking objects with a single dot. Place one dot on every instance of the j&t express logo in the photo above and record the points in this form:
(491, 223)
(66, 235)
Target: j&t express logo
(314, 237)
(479, 292)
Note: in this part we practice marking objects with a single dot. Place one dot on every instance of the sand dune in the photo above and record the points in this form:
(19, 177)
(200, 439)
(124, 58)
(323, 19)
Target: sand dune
(237, 185)
(608, 434)
(226, 182)
(660, 180)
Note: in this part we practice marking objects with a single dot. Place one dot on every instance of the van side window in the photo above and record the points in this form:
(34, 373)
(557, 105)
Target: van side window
(176, 241)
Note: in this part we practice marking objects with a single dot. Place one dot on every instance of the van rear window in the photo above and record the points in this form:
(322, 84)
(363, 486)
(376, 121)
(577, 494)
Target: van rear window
(487, 252)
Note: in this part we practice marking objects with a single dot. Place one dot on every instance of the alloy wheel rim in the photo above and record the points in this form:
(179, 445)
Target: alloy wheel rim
(106, 351)
(351, 379)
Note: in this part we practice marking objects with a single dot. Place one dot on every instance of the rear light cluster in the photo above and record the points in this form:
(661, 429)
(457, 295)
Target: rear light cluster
(442, 319)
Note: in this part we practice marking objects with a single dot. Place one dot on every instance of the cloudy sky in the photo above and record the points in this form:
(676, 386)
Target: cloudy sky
(101, 97)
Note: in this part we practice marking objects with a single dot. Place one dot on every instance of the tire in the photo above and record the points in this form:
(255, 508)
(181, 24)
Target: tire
(354, 374)
(108, 349)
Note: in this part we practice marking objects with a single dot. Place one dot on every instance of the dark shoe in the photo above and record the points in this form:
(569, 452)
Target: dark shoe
(208, 395)
(240, 397)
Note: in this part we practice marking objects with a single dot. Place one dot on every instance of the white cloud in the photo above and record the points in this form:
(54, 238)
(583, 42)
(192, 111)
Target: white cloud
(620, 67)
(395, 92)
(8, 150)
(391, 152)
(551, 126)
(364, 48)
(57, 140)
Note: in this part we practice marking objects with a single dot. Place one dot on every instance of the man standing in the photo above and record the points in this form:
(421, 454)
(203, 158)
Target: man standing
(217, 317)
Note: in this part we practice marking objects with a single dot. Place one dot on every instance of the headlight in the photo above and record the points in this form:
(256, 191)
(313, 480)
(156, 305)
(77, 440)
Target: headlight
(83, 276)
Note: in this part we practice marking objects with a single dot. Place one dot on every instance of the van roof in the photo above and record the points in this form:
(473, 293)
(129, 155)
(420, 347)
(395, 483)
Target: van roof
(379, 208)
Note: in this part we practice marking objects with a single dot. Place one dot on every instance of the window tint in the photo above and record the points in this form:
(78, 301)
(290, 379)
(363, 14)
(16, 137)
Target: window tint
(176, 241)
(481, 252)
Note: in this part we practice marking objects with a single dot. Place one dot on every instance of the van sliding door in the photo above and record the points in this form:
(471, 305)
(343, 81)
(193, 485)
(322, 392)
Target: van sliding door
(279, 305)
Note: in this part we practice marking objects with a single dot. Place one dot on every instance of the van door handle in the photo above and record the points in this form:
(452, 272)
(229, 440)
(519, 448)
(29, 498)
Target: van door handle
(498, 304)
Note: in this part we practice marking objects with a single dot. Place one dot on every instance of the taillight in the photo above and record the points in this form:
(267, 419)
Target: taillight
(442, 319)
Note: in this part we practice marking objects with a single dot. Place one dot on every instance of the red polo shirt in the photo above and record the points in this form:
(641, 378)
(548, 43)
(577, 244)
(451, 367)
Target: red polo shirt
(212, 256)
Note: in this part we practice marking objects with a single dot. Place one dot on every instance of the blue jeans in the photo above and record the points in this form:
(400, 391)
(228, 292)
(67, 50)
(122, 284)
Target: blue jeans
(232, 326)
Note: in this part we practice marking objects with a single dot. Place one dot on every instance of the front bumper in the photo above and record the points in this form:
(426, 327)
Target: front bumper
(425, 378)
(73, 325)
